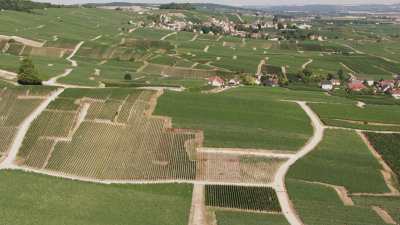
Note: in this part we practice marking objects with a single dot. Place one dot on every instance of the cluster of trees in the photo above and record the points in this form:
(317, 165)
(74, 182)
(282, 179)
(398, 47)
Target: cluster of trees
(22, 5)
(28, 74)
(184, 6)
(308, 76)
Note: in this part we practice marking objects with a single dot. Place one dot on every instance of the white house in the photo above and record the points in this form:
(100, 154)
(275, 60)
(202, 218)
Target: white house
(326, 85)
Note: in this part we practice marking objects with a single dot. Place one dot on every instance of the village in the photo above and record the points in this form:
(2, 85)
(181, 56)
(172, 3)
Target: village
(352, 85)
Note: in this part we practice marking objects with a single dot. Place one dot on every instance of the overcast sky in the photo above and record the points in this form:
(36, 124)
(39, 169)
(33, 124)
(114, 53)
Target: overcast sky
(238, 2)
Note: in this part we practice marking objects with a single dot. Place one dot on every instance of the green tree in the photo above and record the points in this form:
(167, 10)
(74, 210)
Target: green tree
(128, 76)
(27, 73)
(341, 75)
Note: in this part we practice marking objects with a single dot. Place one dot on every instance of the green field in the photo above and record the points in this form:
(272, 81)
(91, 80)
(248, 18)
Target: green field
(341, 159)
(243, 118)
(374, 117)
(29, 199)
(318, 205)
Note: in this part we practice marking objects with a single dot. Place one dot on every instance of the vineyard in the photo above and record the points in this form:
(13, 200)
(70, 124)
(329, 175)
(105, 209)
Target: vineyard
(388, 147)
(132, 144)
(245, 198)
(216, 167)
(15, 105)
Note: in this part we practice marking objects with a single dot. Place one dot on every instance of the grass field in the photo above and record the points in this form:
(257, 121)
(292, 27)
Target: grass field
(245, 118)
(30, 199)
(341, 159)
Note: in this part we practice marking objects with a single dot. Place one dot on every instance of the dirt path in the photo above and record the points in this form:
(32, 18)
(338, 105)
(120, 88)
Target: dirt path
(194, 38)
(384, 215)
(254, 152)
(168, 35)
(198, 209)
(352, 72)
(355, 50)
(279, 182)
(8, 75)
(53, 81)
(307, 63)
(69, 58)
(24, 41)
(145, 64)
(206, 48)
(96, 38)
(23, 129)
(361, 130)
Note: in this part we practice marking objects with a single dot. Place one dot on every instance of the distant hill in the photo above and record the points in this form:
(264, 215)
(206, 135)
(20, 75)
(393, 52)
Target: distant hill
(22, 5)
(329, 8)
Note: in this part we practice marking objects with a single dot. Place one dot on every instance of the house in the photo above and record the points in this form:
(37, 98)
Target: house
(233, 82)
(370, 82)
(216, 81)
(356, 85)
(327, 85)
(395, 93)
(270, 80)
(386, 85)
(336, 82)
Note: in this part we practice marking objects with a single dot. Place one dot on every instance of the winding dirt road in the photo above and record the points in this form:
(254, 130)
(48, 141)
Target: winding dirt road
(279, 182)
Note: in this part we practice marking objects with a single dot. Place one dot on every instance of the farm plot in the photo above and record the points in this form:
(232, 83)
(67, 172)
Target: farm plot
(373, 117)
(239, 118)
(216, 167)
(244, 198)
(342, 159)
(15, 105)
(132, 144)
(390, 204)
(51, 200)
(317, 204)
(240, 218)
(388, 147)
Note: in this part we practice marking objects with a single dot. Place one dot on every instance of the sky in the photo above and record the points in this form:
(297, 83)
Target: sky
(239, 2)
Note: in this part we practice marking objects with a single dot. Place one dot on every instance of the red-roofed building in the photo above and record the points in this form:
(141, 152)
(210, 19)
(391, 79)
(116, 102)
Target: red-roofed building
(356, 85)
(216, 81)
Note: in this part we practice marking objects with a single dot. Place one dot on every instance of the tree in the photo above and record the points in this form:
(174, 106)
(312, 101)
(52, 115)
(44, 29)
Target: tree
(27, 73)
(128, 76)
(330, 76)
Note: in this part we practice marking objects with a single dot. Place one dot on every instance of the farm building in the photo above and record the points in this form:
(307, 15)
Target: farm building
(336, 82)
(327, 85)
(356, 85)
(216, 81)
